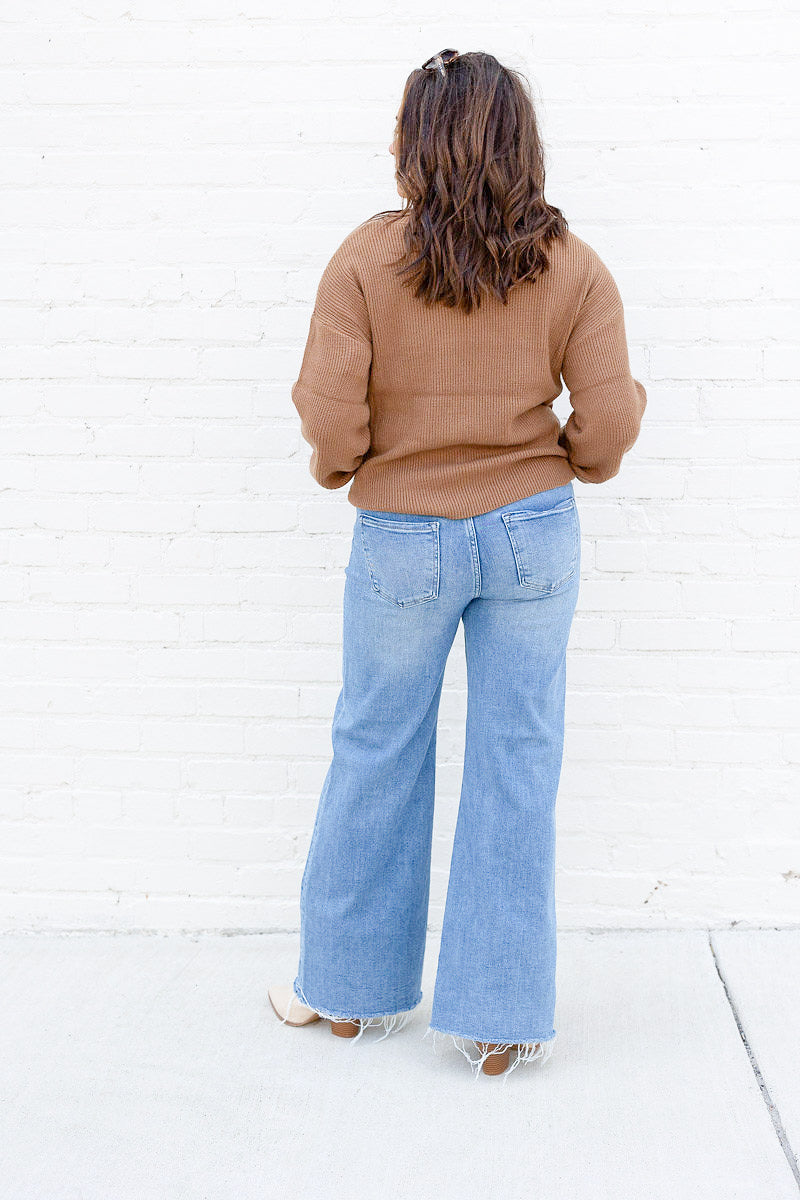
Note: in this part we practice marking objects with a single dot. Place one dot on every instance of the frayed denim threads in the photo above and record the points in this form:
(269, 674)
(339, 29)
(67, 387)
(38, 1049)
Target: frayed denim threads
(392, 1022)
(540, 1051)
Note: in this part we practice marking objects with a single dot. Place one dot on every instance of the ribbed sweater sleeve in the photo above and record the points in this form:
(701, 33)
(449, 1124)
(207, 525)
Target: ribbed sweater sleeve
(330, 393)
(607, 402)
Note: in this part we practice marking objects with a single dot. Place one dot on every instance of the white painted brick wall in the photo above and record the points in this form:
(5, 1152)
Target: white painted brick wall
(174, 178)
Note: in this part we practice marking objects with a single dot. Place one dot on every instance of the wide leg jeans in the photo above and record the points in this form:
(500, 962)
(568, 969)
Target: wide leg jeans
(512, 576)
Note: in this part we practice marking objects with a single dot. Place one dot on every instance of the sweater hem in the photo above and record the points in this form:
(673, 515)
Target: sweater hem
(456, 499)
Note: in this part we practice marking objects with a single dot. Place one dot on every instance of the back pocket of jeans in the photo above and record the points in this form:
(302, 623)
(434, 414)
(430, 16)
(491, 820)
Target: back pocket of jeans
(402, 558)
(545, 545)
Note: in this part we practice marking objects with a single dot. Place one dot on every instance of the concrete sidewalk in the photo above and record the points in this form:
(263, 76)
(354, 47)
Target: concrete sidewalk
(140, 1067)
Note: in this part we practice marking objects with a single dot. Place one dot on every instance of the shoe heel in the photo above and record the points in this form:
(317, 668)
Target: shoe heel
(494, 1064)
(345, 1029)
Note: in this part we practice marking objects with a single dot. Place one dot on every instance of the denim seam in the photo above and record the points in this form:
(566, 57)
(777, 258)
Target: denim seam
(476, 558)
(531, 514)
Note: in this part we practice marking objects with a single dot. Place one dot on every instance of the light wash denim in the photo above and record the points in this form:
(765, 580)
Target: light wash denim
(512, 576)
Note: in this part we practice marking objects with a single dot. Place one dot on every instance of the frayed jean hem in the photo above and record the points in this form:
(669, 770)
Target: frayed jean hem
(533, 1050)
(392, 1021)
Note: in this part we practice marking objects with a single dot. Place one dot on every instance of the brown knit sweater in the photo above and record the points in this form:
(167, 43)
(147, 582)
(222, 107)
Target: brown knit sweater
(434, 411)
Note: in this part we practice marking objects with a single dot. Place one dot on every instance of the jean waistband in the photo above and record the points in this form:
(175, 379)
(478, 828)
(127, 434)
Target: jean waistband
(536, 502)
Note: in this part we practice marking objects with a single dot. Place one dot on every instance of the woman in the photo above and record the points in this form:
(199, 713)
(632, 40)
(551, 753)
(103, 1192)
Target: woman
(437, 345)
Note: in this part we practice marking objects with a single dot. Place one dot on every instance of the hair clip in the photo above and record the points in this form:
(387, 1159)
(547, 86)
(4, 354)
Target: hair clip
(437, 62)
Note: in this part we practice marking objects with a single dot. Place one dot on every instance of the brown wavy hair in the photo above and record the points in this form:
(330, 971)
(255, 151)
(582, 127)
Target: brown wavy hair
(469, 164)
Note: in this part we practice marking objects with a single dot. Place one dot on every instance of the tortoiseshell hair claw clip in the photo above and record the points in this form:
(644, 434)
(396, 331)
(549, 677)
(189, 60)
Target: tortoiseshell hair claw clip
(438, 62)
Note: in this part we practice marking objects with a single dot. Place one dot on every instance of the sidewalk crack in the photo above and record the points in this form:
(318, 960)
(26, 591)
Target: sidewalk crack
(772, 1107)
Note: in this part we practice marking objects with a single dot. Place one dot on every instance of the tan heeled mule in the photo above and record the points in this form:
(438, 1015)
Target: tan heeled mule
(288, 1008)
(292, 1011)
(496, 1060)
(345, 1029)
(497, 1056)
